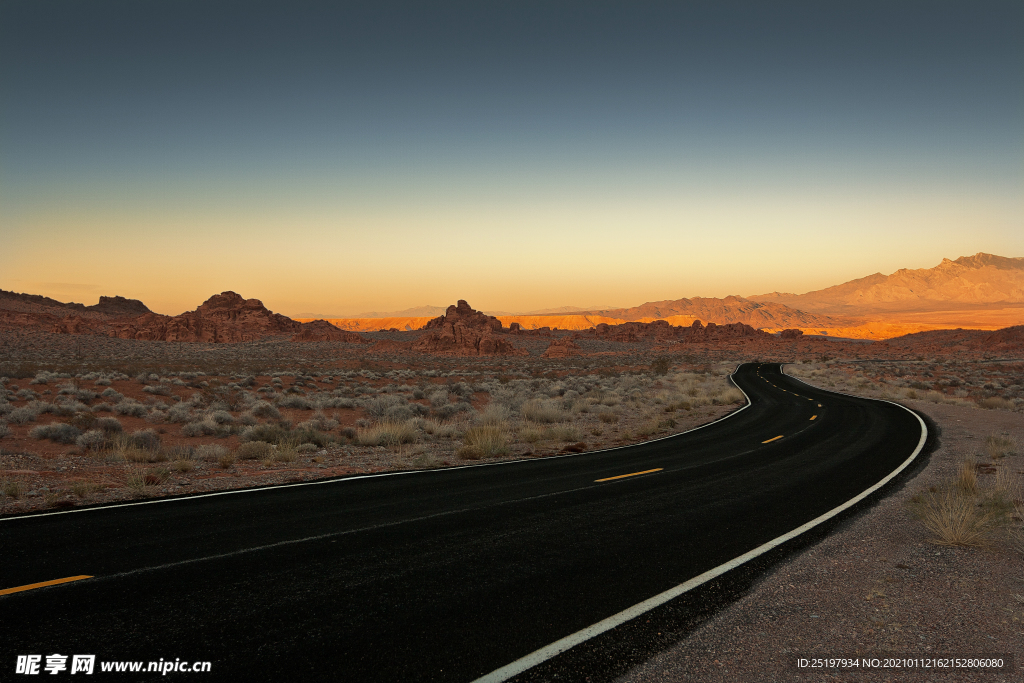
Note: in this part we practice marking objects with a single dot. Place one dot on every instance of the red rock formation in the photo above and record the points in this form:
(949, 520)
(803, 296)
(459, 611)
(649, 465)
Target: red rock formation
(223, 318)
(464, 313)
(321, 330)
(462, 331)
(74, 324)
(561, 348)
(792, 334)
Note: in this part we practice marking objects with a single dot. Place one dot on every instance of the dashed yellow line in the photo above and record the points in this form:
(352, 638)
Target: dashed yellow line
(813, 416)
(774, 438)
(42, 584)
(633, 474)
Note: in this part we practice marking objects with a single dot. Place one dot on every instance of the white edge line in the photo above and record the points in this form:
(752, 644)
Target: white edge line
(319, 482)
(559, 646)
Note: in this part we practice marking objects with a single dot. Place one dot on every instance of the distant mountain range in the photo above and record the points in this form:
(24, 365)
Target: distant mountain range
(978, 281)
(981, 291)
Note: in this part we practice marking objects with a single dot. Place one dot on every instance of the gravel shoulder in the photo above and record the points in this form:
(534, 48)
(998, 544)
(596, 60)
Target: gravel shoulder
(877, 586)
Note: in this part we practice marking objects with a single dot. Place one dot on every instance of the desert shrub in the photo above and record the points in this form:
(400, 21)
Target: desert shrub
(12, 488)
(296, 402)
(254, 450)
(265, 410)
(484, 441)
(537, 410)
(22, 415)
(157, 389)
(661, 365)
(4, 429)
(179, 412)
(387, 433)
(319, 423)
(388, 407)
(5, 407)
(264, 432)
(112, 394)
(211, 452)
(192, 429)
(58, 432)
(226, 460)
(996, 403)
(92, 439)
(247, 419)
(438, 398)
(146, 439)
(306, 448)
(108, 424)
(221, 417)
(608, 417)
(131, 408)
(205, 427)
(102, 408)
(297, 437)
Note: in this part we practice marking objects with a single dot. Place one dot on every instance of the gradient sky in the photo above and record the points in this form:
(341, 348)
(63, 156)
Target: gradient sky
(332, 158)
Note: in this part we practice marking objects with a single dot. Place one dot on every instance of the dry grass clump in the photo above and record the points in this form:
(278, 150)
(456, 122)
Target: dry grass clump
(954, 517)
(12, 488)
(608, 416)
(211, 452)
(967, 477)
(484, 441)
(961, 512)
(84, 489)
(996, 403)
(387, 433)
(543, 411)
(999, 446)
(4, 429)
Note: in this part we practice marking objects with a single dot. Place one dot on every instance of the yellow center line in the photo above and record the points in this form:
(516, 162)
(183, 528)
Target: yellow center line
(774, 438)
(819, 405)
(813, 416)
(42, 584)
(657, 469)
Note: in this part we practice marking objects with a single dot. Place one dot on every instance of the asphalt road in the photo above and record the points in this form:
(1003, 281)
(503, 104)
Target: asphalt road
(441, 575)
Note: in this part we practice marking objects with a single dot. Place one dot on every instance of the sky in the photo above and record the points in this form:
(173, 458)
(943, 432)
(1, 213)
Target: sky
(333, 158)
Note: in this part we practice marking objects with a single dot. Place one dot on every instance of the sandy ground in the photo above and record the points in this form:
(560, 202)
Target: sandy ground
(877, 586)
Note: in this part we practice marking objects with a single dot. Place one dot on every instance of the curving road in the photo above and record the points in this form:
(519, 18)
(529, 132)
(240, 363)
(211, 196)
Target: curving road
(444, 575)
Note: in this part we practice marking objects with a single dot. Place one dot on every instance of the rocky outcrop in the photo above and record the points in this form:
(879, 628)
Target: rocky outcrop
(462, 331)
(321, 330)
(119, 307)
(223, 318)
(463, 313)
(661, 330)
(561, 348)
(792, 334)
